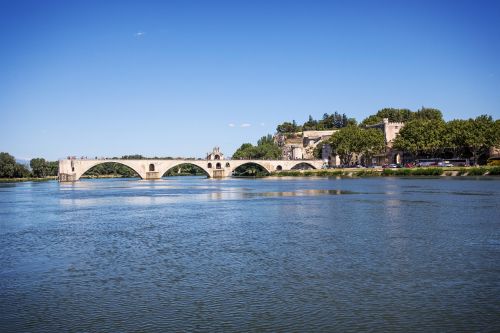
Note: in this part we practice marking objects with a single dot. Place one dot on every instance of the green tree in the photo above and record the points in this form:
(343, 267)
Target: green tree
(244, 152)
(480, 134)
(327, 122)
(39, 167)
(429, 114)
(353, 140)
(372, 120)
(288, 127)
(372, 142)
(9, 168)
(496, 134)
(266, 149)
(20, 171)
(394, 115)
(421, 137)
(7, 165)
(52, 168)
(310, 124)
(346, 142)
(454, 137)
(268, 139)
(402, 115)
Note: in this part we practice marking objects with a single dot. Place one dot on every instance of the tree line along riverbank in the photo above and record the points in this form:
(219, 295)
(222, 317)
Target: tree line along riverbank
(440, 171)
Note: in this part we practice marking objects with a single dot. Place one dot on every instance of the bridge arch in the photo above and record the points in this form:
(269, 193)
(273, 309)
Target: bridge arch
(239, 165)
(81, 171)
(303, 166)
(198, 165)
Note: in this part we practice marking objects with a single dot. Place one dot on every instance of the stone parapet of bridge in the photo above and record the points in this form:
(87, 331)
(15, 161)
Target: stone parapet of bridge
(73, 169)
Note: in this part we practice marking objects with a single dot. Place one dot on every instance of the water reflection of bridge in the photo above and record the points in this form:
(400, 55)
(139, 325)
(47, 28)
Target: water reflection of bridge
(73, 169)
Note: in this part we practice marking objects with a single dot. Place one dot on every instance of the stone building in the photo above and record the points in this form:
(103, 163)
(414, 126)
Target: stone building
(391, 155)
(301, 145)
(329, 156)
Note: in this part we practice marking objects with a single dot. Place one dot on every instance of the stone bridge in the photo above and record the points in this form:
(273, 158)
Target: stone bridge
(73, 169)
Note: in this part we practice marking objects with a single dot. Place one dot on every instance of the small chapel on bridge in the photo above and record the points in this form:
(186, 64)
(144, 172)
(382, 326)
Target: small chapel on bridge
(215, 154)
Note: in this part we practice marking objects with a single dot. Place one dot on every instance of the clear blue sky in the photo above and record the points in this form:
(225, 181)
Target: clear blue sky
(175, 78)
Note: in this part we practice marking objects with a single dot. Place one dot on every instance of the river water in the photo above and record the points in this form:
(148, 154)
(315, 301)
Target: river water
(291, 254)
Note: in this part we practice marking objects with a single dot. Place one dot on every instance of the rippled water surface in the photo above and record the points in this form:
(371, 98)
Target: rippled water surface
(194, 254)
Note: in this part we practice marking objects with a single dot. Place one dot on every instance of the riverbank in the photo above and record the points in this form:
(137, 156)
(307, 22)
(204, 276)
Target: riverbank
(449, 172)
(27, 179)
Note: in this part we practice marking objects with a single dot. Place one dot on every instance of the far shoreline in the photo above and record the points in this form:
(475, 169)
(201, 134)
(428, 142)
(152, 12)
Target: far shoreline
(325, 173)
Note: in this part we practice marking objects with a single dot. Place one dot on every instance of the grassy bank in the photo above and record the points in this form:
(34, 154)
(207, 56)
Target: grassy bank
(27, 179)
(470, 171)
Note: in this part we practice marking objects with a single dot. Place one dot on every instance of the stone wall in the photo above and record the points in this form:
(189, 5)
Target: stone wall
(302, 144)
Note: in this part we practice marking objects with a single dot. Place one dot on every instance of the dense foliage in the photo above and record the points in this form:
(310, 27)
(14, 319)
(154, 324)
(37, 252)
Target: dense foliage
(421, 136)
(9, 168)
(327, 122)
(41, 168)
(353, 141)
(403, 115)
(266, 149)
(461, 138)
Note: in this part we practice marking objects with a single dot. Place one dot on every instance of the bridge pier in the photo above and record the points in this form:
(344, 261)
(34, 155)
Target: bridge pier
(151, 175)
(65, 177)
